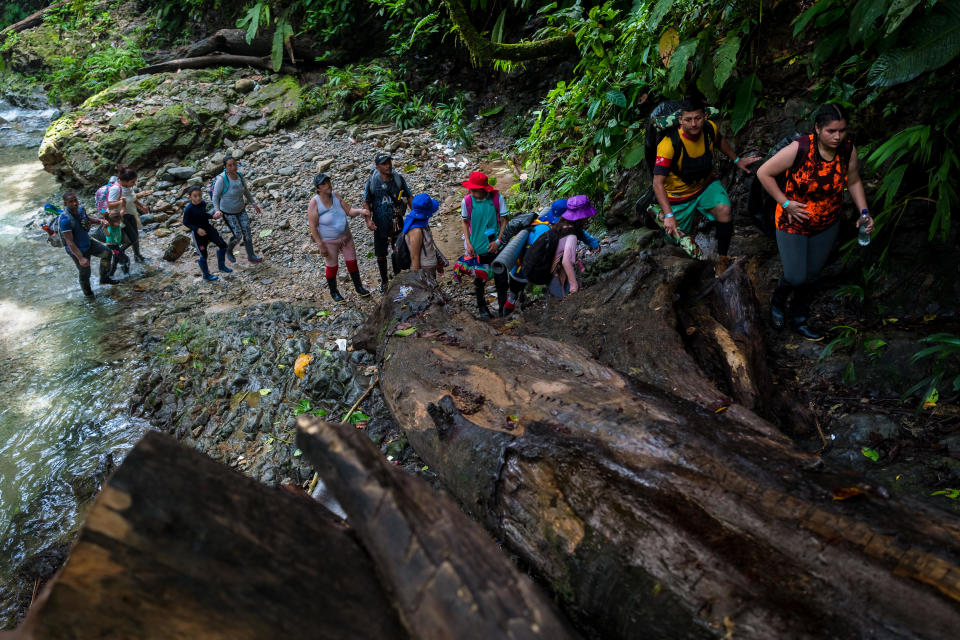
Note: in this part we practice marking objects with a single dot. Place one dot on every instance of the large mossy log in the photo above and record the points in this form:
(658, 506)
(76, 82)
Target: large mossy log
(448, 577)
(648, 512)
(179, 546)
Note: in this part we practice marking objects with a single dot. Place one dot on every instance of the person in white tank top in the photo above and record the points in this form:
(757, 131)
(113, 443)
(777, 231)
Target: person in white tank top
(327, 218)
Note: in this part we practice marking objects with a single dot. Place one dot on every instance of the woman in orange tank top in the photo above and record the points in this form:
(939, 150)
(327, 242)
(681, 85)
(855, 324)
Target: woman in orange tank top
(818, 167)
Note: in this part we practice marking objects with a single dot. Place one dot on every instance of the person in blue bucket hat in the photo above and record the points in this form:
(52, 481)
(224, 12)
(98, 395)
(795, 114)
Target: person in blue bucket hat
(424, 255)
(570, 229)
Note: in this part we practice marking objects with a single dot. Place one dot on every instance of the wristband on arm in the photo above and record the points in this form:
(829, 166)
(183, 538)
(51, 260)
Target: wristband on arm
(786, 203)
(668, 215)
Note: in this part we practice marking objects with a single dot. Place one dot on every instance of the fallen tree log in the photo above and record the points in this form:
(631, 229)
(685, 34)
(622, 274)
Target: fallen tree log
(648, 513)
(214, 60)
(31, 21)
(449, 579)
(234, 42)
(179, 546)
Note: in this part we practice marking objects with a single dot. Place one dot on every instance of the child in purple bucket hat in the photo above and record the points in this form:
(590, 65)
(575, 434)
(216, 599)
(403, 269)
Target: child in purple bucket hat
(570, 228)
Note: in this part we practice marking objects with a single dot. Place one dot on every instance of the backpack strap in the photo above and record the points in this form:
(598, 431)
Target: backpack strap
(803, 151)
(469, 205)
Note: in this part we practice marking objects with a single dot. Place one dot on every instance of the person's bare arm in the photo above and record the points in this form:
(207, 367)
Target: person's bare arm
(313, 217)
(767, 175)
(466, 235)
(74, 249)
(415, 241)
(855, 185)
(741, 163)
(660, 191)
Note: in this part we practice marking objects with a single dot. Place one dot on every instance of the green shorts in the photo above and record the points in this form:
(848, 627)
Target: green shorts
(685, 213)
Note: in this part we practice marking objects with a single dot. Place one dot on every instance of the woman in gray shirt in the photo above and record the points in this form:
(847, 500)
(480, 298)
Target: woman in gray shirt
(230, 196)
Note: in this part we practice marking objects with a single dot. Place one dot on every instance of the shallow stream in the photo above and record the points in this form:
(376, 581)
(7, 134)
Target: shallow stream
(63, 419)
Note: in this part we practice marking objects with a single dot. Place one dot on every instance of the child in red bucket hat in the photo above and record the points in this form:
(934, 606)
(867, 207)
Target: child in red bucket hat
(484, 213)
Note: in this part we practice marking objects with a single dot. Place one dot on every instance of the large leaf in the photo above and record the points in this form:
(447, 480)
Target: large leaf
(252, 20)
(678, 62)
(822, 7)
(863, 17)
(659, 11)
(283, 33)
(633, 156)
(745, 102)
(496, 34)
(899, 11)
(616, 97)
(934, 41)
(668, 44)
(724, 60)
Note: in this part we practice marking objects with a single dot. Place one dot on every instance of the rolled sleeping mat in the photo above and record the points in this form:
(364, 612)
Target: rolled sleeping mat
(509, 254)
(516, 223)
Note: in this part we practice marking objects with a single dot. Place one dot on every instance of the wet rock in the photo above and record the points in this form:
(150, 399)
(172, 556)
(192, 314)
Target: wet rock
(860, 429)
(244, 85)
(176, 248)
(180, 173)
(286, 171)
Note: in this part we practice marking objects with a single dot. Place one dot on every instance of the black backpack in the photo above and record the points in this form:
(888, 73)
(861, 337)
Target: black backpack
(760, 204)
(538, 259)
(401, 254)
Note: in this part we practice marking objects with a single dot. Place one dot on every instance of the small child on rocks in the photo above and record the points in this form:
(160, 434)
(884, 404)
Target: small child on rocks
(196, 218)
(113, 234)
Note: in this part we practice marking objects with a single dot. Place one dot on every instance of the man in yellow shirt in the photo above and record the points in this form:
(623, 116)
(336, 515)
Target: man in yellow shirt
(683, 179)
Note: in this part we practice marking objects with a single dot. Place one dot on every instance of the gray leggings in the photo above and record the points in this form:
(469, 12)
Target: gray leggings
(803, 257)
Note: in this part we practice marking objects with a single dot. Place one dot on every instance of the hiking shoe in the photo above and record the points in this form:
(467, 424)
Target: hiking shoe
(140, 259)
(109, 281)
(777, 316)
(807, 332)
(209, 277)
(255, 259)
(126, 268)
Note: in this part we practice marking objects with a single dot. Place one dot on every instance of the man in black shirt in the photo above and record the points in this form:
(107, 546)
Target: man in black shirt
(387, 196)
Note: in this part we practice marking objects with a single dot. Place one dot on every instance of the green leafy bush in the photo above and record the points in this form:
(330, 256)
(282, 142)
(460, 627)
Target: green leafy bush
(74, 80)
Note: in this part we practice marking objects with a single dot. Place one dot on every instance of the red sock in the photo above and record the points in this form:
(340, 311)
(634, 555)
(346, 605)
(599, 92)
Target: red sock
(508, 305)
(352, 266)
(332, 272)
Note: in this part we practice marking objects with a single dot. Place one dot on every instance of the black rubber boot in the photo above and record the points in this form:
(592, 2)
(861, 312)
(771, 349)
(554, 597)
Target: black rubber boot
(478, 287)
(251, 256)
(230, 247)
(500, 282)
(209, 277)
(221, 254)
(724, 235)
(384, 277)
(800, 311)
(358, 285)
(332, 283)
(778, 304)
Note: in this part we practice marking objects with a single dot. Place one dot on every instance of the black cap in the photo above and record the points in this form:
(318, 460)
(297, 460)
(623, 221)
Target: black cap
(319, 179)
(382, 157)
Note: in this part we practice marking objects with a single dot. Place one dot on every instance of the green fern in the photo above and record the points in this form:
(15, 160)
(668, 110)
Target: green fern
(935, 41)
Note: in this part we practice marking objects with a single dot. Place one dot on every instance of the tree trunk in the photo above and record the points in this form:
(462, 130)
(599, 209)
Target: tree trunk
(234, 41)
(654, 504)
(29, 22)
(179, 546)
(483, 49)
(449, 578)
(214, 60)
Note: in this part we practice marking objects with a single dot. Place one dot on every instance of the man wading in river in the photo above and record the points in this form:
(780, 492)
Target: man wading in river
(683, 178)
(80, 246)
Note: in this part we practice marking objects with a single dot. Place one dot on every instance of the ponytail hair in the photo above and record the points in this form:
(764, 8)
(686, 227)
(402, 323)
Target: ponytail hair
(828, 113)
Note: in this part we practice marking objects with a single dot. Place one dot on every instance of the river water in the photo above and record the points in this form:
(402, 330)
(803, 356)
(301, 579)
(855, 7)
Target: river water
(63, 380)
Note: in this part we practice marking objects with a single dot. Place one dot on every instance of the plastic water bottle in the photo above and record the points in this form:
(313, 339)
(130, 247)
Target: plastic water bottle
(864, 237)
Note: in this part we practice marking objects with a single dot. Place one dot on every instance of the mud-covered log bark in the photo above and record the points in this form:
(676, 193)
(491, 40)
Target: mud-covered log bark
(449, 579)
(179, 546)
(650, 514)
